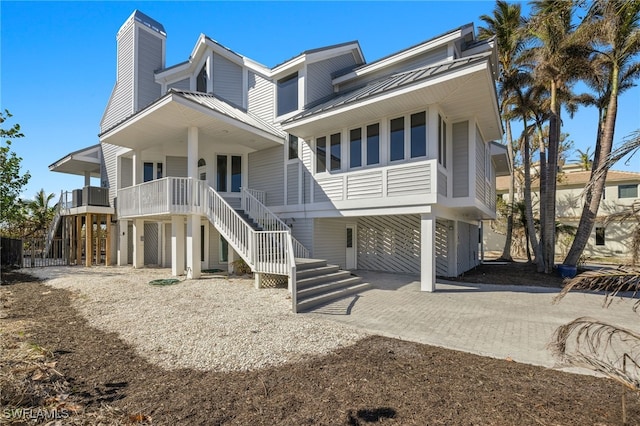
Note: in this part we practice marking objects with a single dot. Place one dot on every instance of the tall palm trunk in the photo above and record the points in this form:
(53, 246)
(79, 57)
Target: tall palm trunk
(549, 223)
(599, 171)
(542, 212)
(506, 251)
(528, 208)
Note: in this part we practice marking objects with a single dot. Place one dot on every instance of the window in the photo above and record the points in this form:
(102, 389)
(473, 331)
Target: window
(202, 243)
(355, 148)
(202, 169)
(335, 152)
(599, 236)
(442, 142)
(288, 94)
(201, 80)
(229, 173)
(373, 144)
(293, 147)
(349, 237)
(148, 172)
(221, 174)
(396, 140)
(321, 155)
(627, 191)
(418, 135)
(224, 250)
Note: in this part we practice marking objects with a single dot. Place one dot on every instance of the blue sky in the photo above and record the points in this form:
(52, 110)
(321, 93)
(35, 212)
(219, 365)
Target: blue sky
(58, 58)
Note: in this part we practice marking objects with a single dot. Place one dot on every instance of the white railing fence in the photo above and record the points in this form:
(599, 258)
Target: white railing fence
(267, 220)
(267, 251)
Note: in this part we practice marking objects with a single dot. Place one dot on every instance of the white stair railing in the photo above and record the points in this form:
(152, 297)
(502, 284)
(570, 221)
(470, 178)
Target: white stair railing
(61, 207)
(267, 220)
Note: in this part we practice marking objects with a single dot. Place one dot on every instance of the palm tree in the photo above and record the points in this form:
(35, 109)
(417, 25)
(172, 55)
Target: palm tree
(40, 213)
(506, 26)
(614, 25)
(558, 60)
(584, 158)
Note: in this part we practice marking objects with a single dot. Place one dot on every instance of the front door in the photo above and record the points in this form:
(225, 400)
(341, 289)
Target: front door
(351, 244)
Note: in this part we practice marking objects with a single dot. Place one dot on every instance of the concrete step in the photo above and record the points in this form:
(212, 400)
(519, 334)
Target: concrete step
(324, 298)
(312, 272)
(304, 264)
(321, 278)
(327, 287)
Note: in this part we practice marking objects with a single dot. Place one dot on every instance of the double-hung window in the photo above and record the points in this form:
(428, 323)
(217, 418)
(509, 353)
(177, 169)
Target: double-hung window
(321, 154)
(355, 148)
(336, 147)
(408, 135)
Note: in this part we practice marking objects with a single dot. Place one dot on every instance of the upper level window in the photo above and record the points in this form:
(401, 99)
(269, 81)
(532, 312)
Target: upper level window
(321, 155)
(396, 139)
(418, 135)
(442, 142)
(288, 94)
(293, 147)
(335, 152)
(201, 80)
(355, 148)
(373, 144)
(627, 191)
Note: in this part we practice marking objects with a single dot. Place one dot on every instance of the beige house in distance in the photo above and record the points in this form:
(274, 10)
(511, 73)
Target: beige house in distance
(612, 240)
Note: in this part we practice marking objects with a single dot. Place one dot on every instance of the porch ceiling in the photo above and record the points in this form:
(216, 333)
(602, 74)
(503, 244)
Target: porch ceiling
(462, 92)
(167, 120)
(79, 162)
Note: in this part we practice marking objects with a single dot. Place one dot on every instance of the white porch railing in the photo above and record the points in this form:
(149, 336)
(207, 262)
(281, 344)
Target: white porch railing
(267, 251)
(267, 220)
(62, 208)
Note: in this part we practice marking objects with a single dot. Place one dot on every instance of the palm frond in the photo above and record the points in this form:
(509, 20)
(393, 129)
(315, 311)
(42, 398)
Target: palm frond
(613, 282)
(598, 346)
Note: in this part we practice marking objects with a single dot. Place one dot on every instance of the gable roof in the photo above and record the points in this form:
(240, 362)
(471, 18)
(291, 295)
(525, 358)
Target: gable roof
(387, 84)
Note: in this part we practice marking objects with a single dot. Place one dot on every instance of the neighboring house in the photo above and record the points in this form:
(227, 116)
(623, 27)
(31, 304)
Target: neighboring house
(385, 166)
(607, 240)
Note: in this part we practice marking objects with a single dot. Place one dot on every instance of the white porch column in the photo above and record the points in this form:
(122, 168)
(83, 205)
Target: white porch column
(87, 178)
(138, 243)
(193, 247)
(427, 252)
(123, 242)
(193, 221)
(177, 245)
(137, 167)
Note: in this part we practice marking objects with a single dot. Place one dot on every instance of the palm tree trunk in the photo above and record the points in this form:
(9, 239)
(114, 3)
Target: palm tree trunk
(528, 208)
(542, 212)
(549, 224)
(604, 144)
(506, 251)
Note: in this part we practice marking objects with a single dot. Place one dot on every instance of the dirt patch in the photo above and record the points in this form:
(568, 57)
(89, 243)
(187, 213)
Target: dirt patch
(510, 273)
(377, 380)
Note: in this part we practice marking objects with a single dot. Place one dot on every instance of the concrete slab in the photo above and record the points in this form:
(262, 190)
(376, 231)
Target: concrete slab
(515, 322)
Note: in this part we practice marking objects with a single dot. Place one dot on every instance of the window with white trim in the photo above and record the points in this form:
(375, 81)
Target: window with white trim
(336, 154)
(321, 154)
(288, 94)
(293, 147)
(442, 141)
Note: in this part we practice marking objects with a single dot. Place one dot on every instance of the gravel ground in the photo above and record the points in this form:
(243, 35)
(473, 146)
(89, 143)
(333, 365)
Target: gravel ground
(210, 324)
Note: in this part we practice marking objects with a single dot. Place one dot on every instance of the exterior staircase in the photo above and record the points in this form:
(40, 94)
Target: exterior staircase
(249, 220)
(319, 283)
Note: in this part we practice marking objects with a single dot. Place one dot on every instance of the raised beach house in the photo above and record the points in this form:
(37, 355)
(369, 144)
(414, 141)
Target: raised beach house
(306, 170)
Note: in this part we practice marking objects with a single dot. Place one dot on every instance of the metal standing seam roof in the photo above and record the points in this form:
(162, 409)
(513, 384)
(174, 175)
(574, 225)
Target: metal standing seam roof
(387, 84)
(225, 108)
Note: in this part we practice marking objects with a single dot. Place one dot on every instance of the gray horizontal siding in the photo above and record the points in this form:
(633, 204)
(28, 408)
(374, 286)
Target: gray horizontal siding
(409, 180)
(292, 183)
(110, 171)
(120, 104)
(480, 172)
(364, 185)
(319, 76)
(227, 80)
(460, 164)
(266, 173)
(260, 97)
(330, 241)
(184, 84)
(149, 60)
(302, 230)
